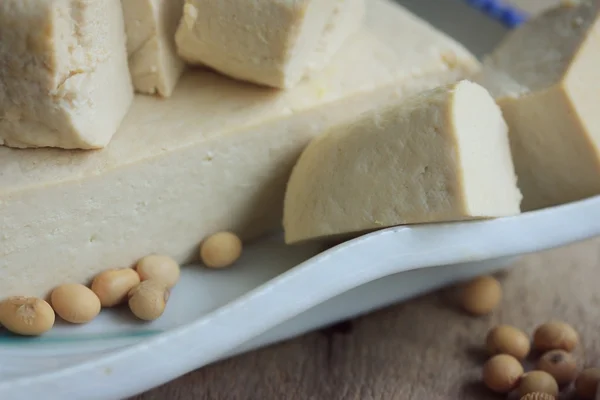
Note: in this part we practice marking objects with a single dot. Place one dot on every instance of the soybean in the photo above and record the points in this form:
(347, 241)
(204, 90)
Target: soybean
(75, 303)
(586, 383)
(481, 295)
(538, 396)
(501, 373)
(112, 286)
(221, 250)
(506, 339)
(555, 335)
(148, 300)
(160, 268)
(561, 364)
(538, 382)
(27, 316)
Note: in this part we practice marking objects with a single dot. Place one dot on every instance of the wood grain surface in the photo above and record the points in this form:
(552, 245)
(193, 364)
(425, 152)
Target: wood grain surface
(424, 349)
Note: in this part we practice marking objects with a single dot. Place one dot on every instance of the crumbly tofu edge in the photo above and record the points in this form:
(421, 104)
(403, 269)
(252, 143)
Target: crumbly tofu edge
(61, 99)
(154, 63)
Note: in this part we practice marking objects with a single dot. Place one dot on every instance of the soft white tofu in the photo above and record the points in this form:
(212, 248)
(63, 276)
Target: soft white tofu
(269, 42)
(153, 61)
(214, 156)
(64, 78)
(546, 78)
(442, 155)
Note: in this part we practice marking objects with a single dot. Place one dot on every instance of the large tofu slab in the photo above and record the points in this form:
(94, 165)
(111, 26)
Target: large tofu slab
(153, 61)
(64, 79)
(442, 155)
(546, 78)
(269, 42)
(216, 155)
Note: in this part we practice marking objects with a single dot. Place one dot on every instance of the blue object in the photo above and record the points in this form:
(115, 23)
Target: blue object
(506, 14)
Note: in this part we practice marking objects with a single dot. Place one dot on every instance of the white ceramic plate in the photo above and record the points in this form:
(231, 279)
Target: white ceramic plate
(277, 292)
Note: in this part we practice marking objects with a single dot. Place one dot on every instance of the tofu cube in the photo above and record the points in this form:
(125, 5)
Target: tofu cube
(442, 155)
(154, 63)
(215, 156)
(269, 42)
(64, 79)
(546, 78)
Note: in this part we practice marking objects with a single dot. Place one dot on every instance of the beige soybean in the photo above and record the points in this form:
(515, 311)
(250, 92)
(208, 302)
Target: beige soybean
(75, 303)
(221, 250)
(148, 300)
(481, 295)
(555, 335)
(538, 382)
(113, 285)
(586, 384)
(561, 364)
(501, 373)
(159, 268)
(506, 339)
(538, 396)
(28, 316)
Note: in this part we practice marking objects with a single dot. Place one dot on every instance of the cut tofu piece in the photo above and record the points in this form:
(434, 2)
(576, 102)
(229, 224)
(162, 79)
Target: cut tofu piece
(64, 79)
(269, 42)
(153, 61)
(546, 78)
(214, 156)
(442, 155)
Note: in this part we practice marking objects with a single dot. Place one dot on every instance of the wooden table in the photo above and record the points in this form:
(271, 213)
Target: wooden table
(424, 349)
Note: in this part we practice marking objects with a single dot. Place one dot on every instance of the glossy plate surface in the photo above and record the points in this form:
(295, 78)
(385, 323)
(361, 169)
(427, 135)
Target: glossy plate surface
(215, 314)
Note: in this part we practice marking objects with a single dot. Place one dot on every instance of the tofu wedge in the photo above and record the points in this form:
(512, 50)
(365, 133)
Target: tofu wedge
(442, 155)
(64, 79)
(214, 156)
(546, 78)
(153, 61)
(269, 42)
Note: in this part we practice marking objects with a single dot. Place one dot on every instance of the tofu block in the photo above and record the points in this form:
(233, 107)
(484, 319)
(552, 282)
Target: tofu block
(150, 25)
(64, 79)
(546, 78)
(442, 155)
(269, 42)
(214, 156)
